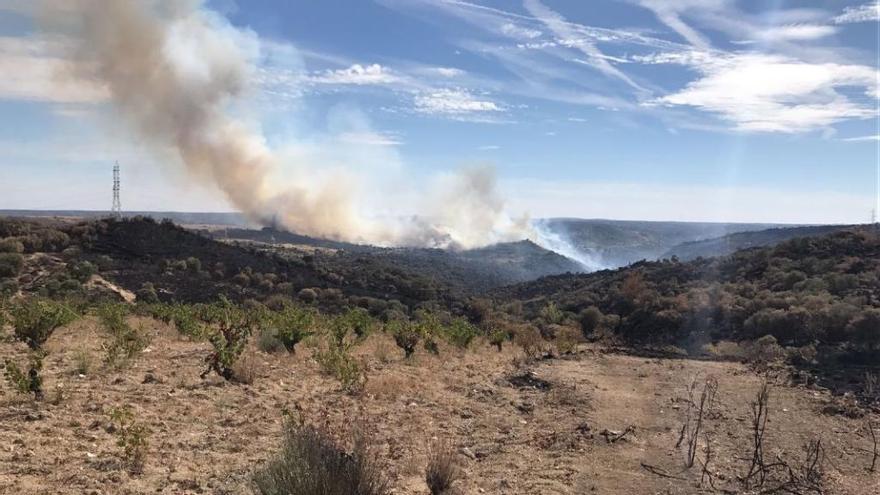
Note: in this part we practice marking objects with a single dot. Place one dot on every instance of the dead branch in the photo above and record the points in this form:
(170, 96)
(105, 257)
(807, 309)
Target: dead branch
(660, 472)
(876, 455)
(758, 469)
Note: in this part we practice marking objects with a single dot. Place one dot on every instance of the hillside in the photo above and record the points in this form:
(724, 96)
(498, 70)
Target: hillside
(129, 345)
(724, 245)
(813, 290)
(615, 243)
(467, 272)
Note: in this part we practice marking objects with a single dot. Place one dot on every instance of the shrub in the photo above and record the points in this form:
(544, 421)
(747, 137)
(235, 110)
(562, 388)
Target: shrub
(10, 264)
(567, 339)
(309, 462)
(765, 350)
(551, 314)
(35, 320)
(442, 469)
(460, 333)
(590, 319)
(11, 246)
(125, 342)
(307, 296)
(497, 337)
(865, 329)
(268, 342)
(337, 362)
(82, 362)
(8, 287)
(228, 340)
(26, 383)
(83, 270)
(292, 325)
(147, 294)
(406, 335)
(529, 339)
(193, 265)
(132, 437)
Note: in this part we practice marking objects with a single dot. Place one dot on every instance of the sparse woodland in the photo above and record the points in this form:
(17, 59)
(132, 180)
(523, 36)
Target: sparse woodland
(141, 357)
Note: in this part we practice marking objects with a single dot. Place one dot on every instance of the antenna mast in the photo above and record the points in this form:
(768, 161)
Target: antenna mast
(117, 205)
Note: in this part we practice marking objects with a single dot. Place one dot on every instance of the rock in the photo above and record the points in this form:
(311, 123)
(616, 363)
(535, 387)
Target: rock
(468, 453)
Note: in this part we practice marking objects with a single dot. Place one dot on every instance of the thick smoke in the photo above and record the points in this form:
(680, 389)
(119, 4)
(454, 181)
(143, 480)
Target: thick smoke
(174, 71)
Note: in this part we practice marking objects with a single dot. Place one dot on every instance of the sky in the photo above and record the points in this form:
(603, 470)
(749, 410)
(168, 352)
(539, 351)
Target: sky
(694, 110)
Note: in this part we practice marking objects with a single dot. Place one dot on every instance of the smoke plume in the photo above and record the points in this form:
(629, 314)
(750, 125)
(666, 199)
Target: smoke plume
(175, 71)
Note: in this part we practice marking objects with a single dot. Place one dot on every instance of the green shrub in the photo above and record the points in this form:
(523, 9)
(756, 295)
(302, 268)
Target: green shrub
(147, 294)
(311, 463)
(460, 333)
(132, 437)
(83, 270)
(30, 382)
(228, 339)
(292, 325)
(35, 319)
(337, 362)
(11, 245)
(406, 335)
(10, 264)
(497, 338)
(551, 314)
(125, 342)
(8, 287)
(590, 318)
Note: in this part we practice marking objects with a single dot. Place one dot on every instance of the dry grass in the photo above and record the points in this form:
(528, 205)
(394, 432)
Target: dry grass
(442, 470)
(311, 463)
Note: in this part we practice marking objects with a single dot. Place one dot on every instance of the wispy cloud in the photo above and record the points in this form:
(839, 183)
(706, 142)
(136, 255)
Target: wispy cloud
(863, 13)
(489, 147)
(669, 13)
(570, 37)
(357, 74)
(370, 138)
(862, 139)
(453, 102)
(771, 93)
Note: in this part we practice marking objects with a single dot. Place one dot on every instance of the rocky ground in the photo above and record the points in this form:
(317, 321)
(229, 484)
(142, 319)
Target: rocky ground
(593, 422)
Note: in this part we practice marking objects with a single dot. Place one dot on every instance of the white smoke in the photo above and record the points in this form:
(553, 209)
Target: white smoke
(554, 240)
(176, 71)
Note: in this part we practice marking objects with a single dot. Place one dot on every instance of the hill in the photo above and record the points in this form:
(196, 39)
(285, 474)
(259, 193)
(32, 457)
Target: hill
(811, 290)
(467, 272)
(720, 246)
(615, 243)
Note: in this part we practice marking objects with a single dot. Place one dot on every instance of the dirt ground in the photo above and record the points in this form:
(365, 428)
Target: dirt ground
(519, 428)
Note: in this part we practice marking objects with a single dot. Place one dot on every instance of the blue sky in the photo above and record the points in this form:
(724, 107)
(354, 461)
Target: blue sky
(634, 109)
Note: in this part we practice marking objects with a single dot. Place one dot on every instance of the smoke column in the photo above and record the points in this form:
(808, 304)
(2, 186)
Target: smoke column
(173, 69)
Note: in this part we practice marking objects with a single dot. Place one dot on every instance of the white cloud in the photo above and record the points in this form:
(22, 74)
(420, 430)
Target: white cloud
(519, 32)
(453, 102)
(445, 71)
(370, 138)
(863, 13)
(577, 119)
(796, 32)
(357, 74)
(489, 147)
(862, 139)
(772, 93)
